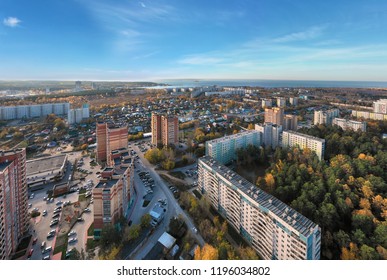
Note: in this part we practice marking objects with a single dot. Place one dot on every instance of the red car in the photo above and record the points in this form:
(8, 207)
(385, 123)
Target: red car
(34, 241)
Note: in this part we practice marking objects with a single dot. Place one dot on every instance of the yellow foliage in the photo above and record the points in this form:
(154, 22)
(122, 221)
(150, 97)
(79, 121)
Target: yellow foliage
(367, 190)
(361, 156)
(206, 253)
(351, 253)
(269, 179)
(365, 204)
(349, 203)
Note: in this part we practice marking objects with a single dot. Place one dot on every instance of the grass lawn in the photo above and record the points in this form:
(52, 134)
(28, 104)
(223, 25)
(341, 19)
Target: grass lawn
(177, 184)
(90, 231)
(177, 174)
(61, 245)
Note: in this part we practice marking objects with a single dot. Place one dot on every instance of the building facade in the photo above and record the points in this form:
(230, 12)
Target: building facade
(77, 115)
(267, 103)
(292, 139)
(109, 138)
(325, 117)
(380, 106)
(350, 124)
(14, 217)
(273, 229)
(33, 111)
(112, 196)
(224, 149)
(293, 101)
(165, 129)
(271, 134)
(290, 122)
(281, 101)
(274, 116)
(369, 115)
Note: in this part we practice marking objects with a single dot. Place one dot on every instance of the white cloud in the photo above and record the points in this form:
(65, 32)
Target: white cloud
(142, 4)
(310, 33)
(11, 21)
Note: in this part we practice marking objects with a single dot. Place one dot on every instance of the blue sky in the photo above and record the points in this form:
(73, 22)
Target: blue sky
(212, 39)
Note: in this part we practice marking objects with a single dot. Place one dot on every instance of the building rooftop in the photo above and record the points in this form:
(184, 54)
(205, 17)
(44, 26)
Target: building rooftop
(45, 164)
(263, 199)
(106, 184)
(305, 135)
(234, 136)
(167, 240)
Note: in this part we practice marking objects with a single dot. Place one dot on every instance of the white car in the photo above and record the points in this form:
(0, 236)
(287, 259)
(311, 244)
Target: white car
(71, 240)
(71, 233)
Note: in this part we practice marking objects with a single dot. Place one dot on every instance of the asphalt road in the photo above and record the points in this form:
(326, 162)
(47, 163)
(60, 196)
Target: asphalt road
(173, 208)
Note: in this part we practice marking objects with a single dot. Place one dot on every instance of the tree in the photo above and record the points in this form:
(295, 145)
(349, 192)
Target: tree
(208, 252)
(145, 220)
(109, 236)
(351, 253)
(368, 253)
(381, 234)
(134, 232)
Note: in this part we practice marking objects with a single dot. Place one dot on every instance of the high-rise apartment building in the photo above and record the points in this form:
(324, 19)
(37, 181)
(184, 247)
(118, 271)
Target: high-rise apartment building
(290, 122)
(281, 101)
(350, 124)
(112, 195)
(292, 139)
(325, 117)
(293, 101)
(380, 106)
(156, 128)
(109, 138)
(33, 111)
(165, 129)
(224, 149)
(14, 216)
(77, 115)
(274, 116)
(274, 230)
(271, 134)
(267, 103)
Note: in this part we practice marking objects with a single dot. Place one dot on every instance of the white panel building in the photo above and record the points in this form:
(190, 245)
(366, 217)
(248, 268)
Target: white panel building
(292, 139)
(224, 149)
(274, 230)
(271, 134)
(350, 124)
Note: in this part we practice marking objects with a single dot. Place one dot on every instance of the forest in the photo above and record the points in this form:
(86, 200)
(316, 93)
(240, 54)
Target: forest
(345, 193)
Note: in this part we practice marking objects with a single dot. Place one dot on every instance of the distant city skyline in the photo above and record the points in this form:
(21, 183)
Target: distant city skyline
(171, 39)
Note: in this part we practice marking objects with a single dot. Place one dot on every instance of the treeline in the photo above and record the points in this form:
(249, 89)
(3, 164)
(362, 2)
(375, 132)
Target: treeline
(346, 195)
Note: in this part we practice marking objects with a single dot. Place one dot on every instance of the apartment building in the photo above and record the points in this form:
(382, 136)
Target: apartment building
(274, 116)
(292, 139)
(165, 129)
(281, 101)
(325, 117)
(350, 124)
(224, 149)
(112, 196)
(77, 115)
(272, 228)
(110, 137)
(271, 134)
(14, 218)
(380, 106)
(293, 101)
(369, 115)
(33, 111)
(267, 103)
(290, 122)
